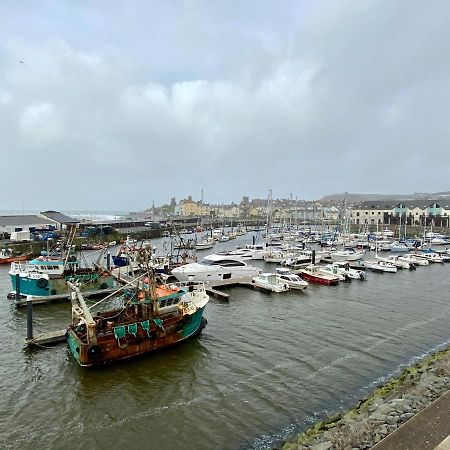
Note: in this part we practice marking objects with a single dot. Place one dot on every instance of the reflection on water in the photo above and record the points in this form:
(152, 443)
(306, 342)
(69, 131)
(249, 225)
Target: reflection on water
(265, 366)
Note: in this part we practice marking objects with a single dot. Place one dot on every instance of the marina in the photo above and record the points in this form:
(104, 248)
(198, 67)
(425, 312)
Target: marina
(290, 327)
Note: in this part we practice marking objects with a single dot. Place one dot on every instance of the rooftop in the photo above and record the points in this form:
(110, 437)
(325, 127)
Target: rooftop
(25, 219)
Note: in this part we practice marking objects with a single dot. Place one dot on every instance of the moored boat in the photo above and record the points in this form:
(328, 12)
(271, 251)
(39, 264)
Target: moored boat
(148, 319)
(314, 274)
(7, 256)
(379, 266)
(43, 277)
(291, 279)
(270, 282)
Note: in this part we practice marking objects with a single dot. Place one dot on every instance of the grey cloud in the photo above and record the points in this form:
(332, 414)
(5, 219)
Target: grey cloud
(144, 101)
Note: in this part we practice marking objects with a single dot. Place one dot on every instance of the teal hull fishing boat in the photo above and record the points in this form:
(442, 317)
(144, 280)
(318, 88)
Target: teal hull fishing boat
(149, 318)
(48, 278)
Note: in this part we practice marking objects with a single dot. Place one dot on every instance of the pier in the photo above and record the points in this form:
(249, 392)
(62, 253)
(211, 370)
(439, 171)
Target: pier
(61, 297)
(48, 338)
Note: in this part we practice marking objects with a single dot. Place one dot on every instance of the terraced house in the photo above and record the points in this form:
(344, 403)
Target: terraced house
(414, 212)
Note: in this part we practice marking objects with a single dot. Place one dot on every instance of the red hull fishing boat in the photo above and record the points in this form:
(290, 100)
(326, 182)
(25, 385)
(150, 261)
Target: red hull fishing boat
(7, 256)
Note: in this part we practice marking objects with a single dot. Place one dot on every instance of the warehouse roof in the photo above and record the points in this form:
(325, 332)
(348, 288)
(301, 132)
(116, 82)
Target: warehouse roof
(25, 219)
(59, 217)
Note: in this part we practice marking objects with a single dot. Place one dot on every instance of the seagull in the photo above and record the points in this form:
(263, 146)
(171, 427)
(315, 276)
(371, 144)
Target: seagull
(21, 62)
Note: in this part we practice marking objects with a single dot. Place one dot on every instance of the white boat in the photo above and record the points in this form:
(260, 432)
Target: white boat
(379, 266)
(292, 280)
(224, 238)
(429, 256)
(413, 260)
(333, 270)
(343, 268)
(270, 282)
(257, 250)
(300, 259)
(274, 256)
(399, 247)
(381, 245)
(346, 255)
(205, 244)
(216, 233)
(440, 241)
(394, 259)
(239, 254)
(219, 272)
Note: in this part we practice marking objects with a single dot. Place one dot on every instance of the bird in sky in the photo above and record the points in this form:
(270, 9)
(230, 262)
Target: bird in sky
(21, 62)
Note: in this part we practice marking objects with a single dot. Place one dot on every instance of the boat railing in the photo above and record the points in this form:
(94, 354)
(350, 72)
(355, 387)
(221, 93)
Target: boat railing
(196, 286)
(18, 266)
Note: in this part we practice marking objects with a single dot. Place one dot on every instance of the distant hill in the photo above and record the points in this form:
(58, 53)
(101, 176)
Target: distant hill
(356, 198)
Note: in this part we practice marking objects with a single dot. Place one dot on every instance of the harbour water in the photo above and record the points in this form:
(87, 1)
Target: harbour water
(265, 366)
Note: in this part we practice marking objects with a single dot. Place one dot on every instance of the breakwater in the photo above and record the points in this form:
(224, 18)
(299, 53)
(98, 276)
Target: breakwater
(383, 411)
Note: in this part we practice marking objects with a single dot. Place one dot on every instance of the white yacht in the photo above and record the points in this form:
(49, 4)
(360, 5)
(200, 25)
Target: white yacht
(395, 259)
(346, 255)
(380, 266)
(431, 257)
(270, 282)
(217, 272)
(274, 256)
(413, 260)
(205, 244)
(343, 268)
(291, 279)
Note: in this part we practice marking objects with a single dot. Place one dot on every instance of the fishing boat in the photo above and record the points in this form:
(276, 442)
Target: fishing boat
(291, 279)
(47, 277)
(44, 277)
(7, 256)
(270, 282)
(148, 318)
(315, 274)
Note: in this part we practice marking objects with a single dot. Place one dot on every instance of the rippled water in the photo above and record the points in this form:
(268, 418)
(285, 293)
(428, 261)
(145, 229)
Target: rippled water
(265, 367)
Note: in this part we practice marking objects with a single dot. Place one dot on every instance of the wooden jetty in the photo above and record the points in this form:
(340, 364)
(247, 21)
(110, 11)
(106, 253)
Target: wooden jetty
(218, 294)
(49, 338)
(61, 297)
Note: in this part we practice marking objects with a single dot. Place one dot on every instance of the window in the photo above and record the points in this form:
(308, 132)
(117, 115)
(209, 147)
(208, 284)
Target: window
(226, 276)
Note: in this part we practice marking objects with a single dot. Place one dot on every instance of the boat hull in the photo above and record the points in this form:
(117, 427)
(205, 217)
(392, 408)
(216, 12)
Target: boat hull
(109, 350)
(11, 259)
(318, 279)
(42, 287)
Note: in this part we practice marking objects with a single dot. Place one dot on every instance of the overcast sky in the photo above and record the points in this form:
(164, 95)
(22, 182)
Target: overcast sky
(117, 103)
